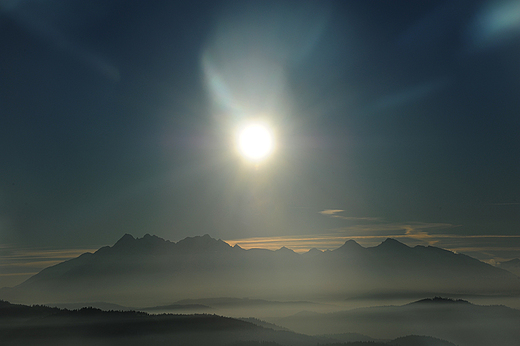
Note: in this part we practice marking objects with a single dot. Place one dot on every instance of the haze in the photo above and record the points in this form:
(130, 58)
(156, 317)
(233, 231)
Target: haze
(293, 157)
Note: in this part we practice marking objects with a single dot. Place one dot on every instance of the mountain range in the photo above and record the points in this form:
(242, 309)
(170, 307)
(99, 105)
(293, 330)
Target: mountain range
(151, 271)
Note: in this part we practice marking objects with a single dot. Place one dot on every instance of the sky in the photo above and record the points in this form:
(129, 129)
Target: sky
(390, 119)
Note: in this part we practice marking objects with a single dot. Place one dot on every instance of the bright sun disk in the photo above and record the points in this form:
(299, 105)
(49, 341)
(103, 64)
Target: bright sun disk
(255, 142)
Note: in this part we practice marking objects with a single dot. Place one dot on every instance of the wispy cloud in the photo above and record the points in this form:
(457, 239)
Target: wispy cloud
(367, 234)
(25, 275)
(8, 254)
(18, 264)
(34, 264)
(488, 247)
(331, 211)
(296, 243)
(335, 212)
(504, 247)
(411, 228)
(415, 232)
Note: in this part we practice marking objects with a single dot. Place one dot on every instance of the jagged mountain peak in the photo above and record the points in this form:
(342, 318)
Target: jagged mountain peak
(125, 240)
(350, 245)
(206, 237)
(154, 240)
(149, 237)
(130, 245)
(391, 243)
(204, 242)
(284, 249)
(314, 251)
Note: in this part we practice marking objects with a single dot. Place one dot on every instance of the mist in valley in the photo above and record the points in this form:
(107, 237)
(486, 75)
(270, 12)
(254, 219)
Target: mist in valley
(349, 294)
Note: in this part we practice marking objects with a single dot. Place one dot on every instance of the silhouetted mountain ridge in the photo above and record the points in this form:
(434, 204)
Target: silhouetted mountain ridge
(441, 300)
(150, 268)
(202, 243)
(350, 245)
(393, 244)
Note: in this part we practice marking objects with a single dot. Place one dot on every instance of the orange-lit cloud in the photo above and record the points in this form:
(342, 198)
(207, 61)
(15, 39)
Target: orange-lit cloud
(296, 243)
(331, 211)
(366, 235)
(18, 274)
(484, 247)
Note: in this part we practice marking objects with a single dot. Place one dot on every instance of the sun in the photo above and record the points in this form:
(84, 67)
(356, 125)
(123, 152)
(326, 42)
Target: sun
(255, 141)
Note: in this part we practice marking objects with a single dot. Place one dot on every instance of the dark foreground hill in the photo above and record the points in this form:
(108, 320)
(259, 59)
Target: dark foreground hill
(41, 325)
(153, 271)
(458, 321)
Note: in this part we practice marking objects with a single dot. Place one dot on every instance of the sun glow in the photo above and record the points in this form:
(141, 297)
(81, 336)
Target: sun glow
(255, 141)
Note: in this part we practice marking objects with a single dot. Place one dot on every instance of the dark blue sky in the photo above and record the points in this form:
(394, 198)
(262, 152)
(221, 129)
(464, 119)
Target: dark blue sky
(400, 118)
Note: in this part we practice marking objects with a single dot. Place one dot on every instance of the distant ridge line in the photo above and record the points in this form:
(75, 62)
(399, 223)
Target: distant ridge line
(437, 300)
(153, 268)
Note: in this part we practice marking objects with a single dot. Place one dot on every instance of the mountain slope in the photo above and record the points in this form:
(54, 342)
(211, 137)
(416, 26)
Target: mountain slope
(457, 321)
(154, 271)
(513, 266)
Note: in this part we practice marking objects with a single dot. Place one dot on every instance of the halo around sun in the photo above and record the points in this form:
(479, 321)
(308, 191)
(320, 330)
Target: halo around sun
(255, 141)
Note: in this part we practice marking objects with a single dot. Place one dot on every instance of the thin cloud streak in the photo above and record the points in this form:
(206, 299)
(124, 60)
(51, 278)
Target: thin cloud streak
(17, 274)
(412, 234)
(485, 248)
(8, 254)
(334, 212)
(296, 243)
(331, 211)
(411, 230)
(34, 264)
(18, 265)
(409, 227)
